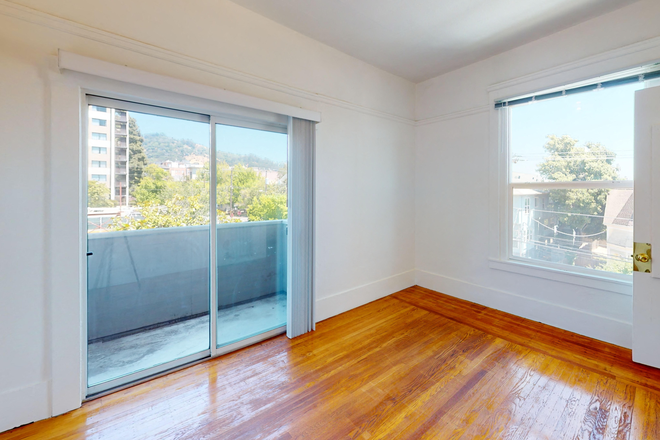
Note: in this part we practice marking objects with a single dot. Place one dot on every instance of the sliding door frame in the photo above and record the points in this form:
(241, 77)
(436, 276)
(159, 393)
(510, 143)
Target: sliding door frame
(275, 123)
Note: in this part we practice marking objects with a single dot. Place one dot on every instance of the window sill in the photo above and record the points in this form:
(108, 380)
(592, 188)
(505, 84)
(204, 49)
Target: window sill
(580, 279)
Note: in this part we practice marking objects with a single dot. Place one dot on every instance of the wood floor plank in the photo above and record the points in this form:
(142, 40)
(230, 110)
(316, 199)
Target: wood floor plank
(416, 364)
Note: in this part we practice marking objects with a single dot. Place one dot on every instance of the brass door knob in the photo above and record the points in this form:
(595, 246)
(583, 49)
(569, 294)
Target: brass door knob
(642, 258)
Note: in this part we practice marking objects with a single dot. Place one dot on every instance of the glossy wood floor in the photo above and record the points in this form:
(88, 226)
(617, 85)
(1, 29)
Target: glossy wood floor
(416, 364)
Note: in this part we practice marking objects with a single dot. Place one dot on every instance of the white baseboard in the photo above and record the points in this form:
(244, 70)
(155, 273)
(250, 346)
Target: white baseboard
(24, 405)
(577, 321)
(349, 299)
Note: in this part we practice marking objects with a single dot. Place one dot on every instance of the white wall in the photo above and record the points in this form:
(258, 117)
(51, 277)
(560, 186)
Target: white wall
(454, 171)
(365, 162)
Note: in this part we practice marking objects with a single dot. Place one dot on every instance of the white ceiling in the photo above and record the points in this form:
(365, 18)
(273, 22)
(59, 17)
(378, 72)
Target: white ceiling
(420, 39)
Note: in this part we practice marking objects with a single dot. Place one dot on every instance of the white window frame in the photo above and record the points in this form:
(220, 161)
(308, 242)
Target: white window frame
(511, 186)
(70, 81)
(500, 197)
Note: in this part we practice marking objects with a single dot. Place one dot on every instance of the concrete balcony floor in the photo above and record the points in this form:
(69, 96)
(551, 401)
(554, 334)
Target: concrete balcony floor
(119, 357)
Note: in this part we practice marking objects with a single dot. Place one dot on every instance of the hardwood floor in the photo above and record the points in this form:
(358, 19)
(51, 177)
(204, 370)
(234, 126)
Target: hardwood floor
(416, 364)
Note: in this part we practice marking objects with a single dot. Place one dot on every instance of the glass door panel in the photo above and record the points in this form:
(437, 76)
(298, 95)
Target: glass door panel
(251, 232)
(148, 242)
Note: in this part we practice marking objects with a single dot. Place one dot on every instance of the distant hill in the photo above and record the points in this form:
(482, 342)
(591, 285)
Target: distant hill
(160, 147)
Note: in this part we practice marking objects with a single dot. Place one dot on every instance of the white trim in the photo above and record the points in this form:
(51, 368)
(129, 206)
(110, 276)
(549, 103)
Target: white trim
(104, 69)
(575, 67)
(24, 405)
(590, 184)
(453, 115)
(66, 246)
(43, 19)
(341, 302)
(592, 325)
(610, 284)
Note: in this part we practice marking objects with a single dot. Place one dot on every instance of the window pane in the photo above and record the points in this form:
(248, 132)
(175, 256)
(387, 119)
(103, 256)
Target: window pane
(589, 228)
(587, 136)
(148, 224)
(251, 232)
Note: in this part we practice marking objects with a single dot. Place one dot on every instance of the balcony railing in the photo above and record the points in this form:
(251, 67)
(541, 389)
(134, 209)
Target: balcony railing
(150, 277)
(120, 158)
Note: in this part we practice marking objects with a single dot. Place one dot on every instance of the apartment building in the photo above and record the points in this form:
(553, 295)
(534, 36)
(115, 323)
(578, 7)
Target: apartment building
(108, 150)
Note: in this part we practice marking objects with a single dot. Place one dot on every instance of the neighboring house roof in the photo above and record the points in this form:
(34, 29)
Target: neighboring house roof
(619, 208)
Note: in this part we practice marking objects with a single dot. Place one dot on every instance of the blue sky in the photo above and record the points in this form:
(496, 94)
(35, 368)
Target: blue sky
(230, 139)
(605, 116)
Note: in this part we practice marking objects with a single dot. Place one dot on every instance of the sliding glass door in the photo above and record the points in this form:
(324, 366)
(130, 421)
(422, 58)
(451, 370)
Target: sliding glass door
(165, 229)
(251, 232)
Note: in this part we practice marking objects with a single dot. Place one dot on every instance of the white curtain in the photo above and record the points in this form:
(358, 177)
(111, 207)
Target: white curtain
(300, 268)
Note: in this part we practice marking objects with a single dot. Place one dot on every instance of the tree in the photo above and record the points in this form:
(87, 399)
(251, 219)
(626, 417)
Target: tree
(152, 186)
(268, 207)
(137, 158)
(176, 212)
(567, 162)
(98, 195)
(247, 185)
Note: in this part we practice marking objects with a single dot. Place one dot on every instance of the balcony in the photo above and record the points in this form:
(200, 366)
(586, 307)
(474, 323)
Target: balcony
(120, 158)
(120, 171)
(120, 116)
(149, 291)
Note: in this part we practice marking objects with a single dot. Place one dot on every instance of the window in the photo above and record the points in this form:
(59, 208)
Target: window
(571, 150)
(99, 122)
(99, 136)
(98, 108)
(99, 164)
(99, 150)
(100, 177)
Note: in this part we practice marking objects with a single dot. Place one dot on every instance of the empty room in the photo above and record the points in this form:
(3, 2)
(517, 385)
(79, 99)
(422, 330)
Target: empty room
(330, 219)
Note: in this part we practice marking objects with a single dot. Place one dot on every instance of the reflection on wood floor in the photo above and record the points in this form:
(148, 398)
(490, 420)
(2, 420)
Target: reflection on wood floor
(416, 364)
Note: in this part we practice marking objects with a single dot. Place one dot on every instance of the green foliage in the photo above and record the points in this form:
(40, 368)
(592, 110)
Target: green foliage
(176, 212)
(567, 162)
(268, 207)
(98, 195)
(153, 185)
(137, 158)
(247, 185)
(624, 267)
